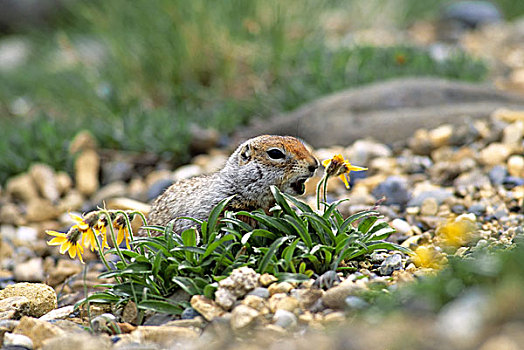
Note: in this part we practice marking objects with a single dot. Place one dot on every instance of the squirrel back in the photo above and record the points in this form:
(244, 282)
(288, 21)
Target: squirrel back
(255, 166)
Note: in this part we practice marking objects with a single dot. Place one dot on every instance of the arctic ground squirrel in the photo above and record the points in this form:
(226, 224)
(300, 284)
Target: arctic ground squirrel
(251, 170)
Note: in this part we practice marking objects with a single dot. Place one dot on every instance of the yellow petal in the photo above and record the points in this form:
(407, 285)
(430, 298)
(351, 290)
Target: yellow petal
(64, 247)
(80, 257)
(326, 162)
(57, 241)
(345, 180)
(127, 239)
(80, 222)
(120, 236)
(72, 251)
(55, 233)
(354, 167)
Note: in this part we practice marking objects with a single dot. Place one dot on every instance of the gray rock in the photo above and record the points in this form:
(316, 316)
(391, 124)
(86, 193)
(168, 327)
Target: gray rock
(14, 307)
(395, 189)
(260, 292)
(238, 284)
(19, 340)
(335, 297)
(399, 106)
(42, 298)
(30, 271)
(462, 320)
(471, 14)
(473, 178)
(284, 319)
(116, 170)
(392, 263)
(157, 188)
(189, 313)
(80, 341)
(355, 303)
(243, 316)
(512, 181)
(112, 190)
(414, 164)
(206, 307)
(477, 209)
(165, 336)
(45, 180)
(8, 325)
(58, 314)
(439, 194)
(497, 174)
(327, 280)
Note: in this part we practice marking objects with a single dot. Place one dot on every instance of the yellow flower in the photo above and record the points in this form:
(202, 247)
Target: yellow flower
(68, 242)
(338, 166)
(85, 225)
(426, 256)
(123, 232)
(458, 232)
(101, 228)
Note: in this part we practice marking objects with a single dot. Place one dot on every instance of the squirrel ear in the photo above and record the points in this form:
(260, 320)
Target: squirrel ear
(245, 154)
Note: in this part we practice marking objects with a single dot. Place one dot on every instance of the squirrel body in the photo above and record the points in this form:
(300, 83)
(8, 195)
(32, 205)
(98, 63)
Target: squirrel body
(251, 170)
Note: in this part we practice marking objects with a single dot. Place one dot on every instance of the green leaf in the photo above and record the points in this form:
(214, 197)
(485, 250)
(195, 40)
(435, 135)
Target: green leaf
(258, 233)
(332, 208)
(268, 221)
(157, 263)
(291, 277)
(322, 227)
(213, 246)
(209, 290)
(301, 229)
(270, 254)
(212, 222)
(298, 203)
(152, 242)
(187, 285)
(374, 246)
(366, 224)
(288, 253)
(281, 201)
(238, 223)
(346, 225)
(135, 268)
(160, 306)
(381, 231)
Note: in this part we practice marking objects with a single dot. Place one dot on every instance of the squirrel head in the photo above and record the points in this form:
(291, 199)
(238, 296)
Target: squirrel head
(265, 161)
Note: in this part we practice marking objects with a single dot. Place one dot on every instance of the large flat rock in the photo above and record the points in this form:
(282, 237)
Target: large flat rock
(387, 111)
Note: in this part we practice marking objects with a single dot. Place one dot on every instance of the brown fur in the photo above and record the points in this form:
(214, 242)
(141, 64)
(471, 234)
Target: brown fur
(248, 174)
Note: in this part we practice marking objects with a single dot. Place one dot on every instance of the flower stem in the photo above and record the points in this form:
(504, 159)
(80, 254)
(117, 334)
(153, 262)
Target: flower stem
(129, 229)
(144, 220)
(324, 192)
(113, 236)
(319, 186)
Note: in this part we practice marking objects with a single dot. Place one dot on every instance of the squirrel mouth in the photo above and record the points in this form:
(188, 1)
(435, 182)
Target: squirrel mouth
(299, 186)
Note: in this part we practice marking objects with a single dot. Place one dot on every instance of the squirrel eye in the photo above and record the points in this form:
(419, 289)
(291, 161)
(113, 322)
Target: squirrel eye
(275, 153)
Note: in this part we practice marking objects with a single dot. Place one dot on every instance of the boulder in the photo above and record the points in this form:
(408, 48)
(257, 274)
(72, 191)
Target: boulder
(399, 106)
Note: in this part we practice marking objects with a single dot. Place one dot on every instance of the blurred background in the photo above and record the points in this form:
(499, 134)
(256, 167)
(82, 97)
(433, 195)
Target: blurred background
(150, 76)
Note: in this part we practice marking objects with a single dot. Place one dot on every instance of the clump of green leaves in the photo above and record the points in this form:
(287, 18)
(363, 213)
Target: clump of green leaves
(294, 243)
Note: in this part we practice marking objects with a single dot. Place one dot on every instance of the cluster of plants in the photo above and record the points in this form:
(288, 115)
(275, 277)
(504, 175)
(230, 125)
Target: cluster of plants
(137, 76)
(294, 243)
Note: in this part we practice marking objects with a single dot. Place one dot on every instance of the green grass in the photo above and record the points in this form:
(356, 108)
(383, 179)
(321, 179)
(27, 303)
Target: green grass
(166, 64)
